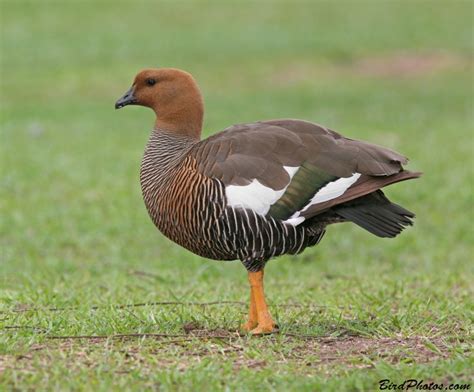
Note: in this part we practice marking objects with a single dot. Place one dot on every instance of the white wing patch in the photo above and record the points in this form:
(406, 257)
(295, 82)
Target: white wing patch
(295, 220)
(332, 190)
(328, 192)
(255, 196)
(291, 170)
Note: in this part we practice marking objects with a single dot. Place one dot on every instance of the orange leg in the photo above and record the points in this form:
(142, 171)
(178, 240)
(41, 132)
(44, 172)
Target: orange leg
(253, 319)
(258, 307)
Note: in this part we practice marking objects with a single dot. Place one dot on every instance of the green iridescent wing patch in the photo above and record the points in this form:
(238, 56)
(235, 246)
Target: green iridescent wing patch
(306, 182)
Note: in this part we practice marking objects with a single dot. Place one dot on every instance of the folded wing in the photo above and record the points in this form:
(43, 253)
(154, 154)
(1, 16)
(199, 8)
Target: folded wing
(293, 170)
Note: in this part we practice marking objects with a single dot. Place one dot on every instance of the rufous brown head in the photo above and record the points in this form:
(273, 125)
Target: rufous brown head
(174, 96)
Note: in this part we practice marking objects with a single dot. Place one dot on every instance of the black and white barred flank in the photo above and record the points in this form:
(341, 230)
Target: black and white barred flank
(192, 210)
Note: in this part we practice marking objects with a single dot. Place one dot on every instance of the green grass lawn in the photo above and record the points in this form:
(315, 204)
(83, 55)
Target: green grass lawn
(78, 248)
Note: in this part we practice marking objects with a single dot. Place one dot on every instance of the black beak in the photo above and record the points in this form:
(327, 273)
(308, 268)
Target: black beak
(127, 99)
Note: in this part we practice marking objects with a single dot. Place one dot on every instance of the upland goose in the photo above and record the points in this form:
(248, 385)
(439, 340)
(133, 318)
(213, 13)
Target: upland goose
(259, 190)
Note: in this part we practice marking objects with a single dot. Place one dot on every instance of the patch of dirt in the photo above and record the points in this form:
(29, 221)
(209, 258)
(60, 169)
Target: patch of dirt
(356, 351)
(408, 64)
(388, 65)
(309, 353)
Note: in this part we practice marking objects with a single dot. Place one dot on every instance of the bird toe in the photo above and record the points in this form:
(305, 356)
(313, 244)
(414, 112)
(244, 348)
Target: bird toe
(249, 325)
(265, 329)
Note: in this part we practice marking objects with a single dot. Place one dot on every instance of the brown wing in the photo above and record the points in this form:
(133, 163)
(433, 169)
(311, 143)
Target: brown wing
(261, 151)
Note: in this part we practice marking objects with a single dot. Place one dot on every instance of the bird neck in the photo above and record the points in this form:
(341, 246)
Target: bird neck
(183, 117)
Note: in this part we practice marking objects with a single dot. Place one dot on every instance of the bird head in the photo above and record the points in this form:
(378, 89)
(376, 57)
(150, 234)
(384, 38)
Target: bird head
(174, 96)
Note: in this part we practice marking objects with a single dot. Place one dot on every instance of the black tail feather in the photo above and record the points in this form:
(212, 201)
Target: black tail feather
(376, 214)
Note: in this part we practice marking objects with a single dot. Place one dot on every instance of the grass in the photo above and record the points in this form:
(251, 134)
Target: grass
(75, 235)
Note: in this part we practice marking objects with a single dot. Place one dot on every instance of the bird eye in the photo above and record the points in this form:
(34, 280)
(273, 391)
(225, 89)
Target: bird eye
(150, 82)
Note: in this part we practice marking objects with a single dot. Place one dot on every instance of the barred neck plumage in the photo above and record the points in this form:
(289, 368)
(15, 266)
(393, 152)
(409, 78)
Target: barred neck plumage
(164, 151)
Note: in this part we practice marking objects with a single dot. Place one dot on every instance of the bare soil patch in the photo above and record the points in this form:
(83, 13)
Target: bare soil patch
(409, 64)
(308, 353)
(388, 65)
